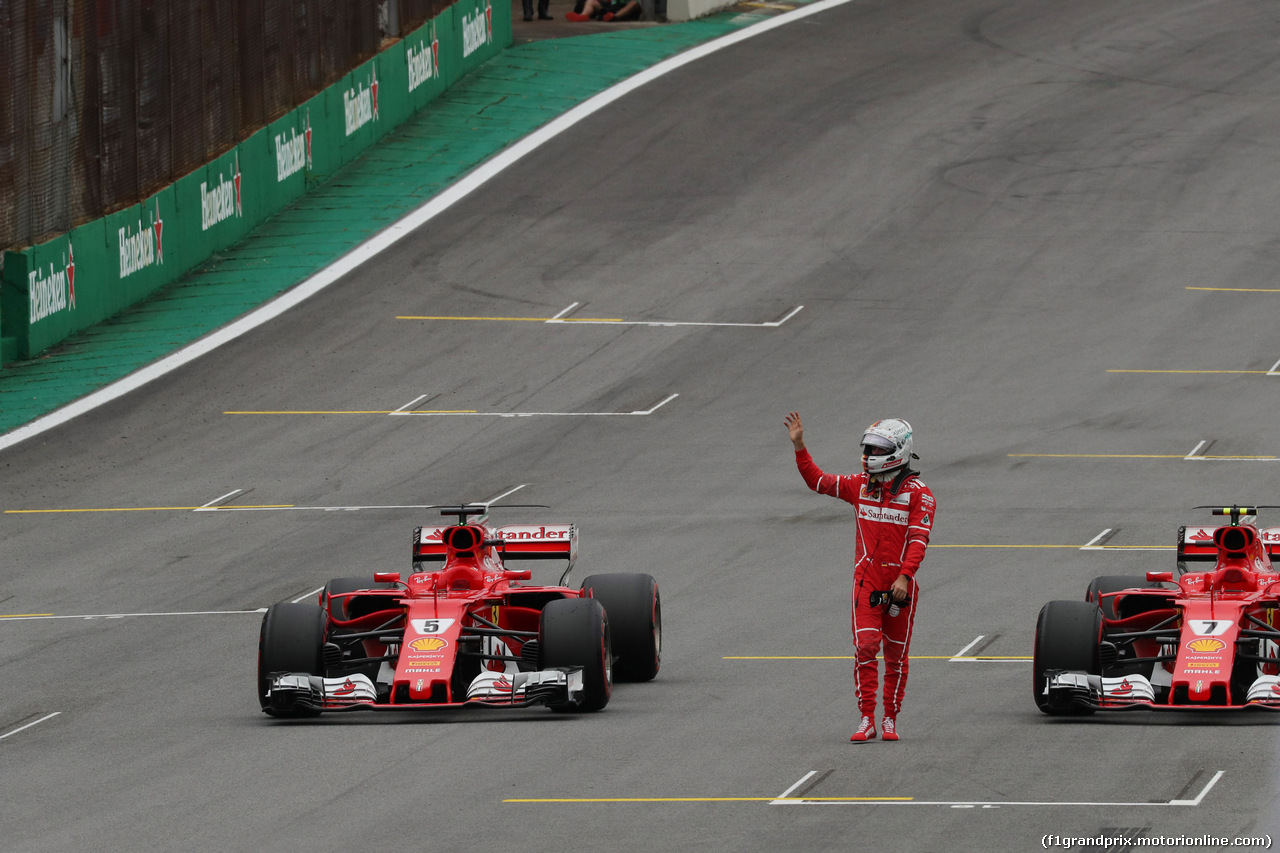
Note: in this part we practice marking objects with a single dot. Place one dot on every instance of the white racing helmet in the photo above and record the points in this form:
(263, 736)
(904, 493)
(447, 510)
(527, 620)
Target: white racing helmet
(886, 448)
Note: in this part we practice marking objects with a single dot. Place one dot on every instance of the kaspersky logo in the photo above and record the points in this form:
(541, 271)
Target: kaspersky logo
(221, 201)
(424, 60)
(145, 247)
(293, 153)
(47, 294)
(477, 30)
(360, 105)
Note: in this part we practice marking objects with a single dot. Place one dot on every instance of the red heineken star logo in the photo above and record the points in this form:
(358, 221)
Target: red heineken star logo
(158, 225)
(239, 210)
(71, 273)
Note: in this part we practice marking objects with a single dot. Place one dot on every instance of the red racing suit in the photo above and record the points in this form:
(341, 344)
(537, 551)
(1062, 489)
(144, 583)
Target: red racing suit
(893, 524)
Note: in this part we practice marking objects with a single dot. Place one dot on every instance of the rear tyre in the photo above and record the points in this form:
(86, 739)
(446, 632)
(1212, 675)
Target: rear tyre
(574, 632)
(290, 641)
(635, 622)
(1104, 584)
(1067, 638)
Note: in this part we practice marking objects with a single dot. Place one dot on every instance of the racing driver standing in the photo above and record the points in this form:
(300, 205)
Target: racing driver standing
(895, 511)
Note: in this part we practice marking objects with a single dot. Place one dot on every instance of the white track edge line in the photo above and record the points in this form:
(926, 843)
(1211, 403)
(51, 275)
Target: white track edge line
(216, 501)
(507, 493)
(29, 725)
(1203, 791)
(91, 616)
(307, 595)
(960, 654)
(782, 799)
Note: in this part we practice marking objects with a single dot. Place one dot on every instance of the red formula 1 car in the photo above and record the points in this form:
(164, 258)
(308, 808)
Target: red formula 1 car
(462, 630)
(1205, 640)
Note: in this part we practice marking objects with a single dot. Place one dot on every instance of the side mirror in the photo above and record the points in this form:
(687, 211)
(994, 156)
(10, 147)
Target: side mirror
(1160, 576)
(386, 577)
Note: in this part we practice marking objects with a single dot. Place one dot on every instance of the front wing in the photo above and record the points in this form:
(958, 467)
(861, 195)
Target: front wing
(293, 692)
(1084, 690)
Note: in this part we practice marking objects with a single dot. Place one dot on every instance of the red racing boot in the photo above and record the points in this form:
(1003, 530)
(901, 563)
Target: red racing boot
(890, 726)
(866, 730)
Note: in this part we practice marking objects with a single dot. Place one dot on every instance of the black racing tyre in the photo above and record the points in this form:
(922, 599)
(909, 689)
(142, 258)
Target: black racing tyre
(1114, 583)
(341, 585)
(635, 622)
(1068, 634)
(290, 641)
(575, 632)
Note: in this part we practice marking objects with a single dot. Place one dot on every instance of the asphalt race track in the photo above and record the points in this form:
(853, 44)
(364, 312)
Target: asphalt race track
(1045, 233)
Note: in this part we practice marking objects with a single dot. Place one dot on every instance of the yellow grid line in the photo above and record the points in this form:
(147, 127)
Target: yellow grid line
(143, 509)
(710, 800)
(523, 319)
(878, 657)
(1126, 456)
(1239, 289)
(359, 412)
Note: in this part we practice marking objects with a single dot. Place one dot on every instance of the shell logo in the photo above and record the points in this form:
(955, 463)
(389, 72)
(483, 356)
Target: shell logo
(1206, 644)
(428, 644)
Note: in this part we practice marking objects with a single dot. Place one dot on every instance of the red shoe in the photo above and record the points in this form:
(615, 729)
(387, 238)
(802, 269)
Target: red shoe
(607, 17)
(890, 727)
(866, 730)
(577, 17)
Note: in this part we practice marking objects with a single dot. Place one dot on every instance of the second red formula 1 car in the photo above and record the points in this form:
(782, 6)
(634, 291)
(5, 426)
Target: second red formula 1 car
(1203, 638)
(462, 630)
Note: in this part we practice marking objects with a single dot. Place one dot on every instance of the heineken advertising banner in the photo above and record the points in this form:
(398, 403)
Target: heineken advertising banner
(55, 289)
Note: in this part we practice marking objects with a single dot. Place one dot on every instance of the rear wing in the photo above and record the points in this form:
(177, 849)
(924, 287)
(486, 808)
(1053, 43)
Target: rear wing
(1195, 544)
(519, 542)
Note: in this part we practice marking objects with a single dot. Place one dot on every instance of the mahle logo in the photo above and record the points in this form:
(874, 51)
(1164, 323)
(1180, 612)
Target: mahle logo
(424, 60)
(477, 30)
(49, 294)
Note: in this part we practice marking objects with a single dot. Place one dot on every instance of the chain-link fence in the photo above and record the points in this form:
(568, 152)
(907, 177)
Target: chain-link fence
(102, 103)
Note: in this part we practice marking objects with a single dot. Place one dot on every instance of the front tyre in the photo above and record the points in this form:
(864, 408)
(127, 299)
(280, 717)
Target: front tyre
(1068, 634)
(291, 639)
(574, 632)
(635, 622)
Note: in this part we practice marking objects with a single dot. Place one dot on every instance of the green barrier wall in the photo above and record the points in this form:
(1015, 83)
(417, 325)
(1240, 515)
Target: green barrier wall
(55, 289)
